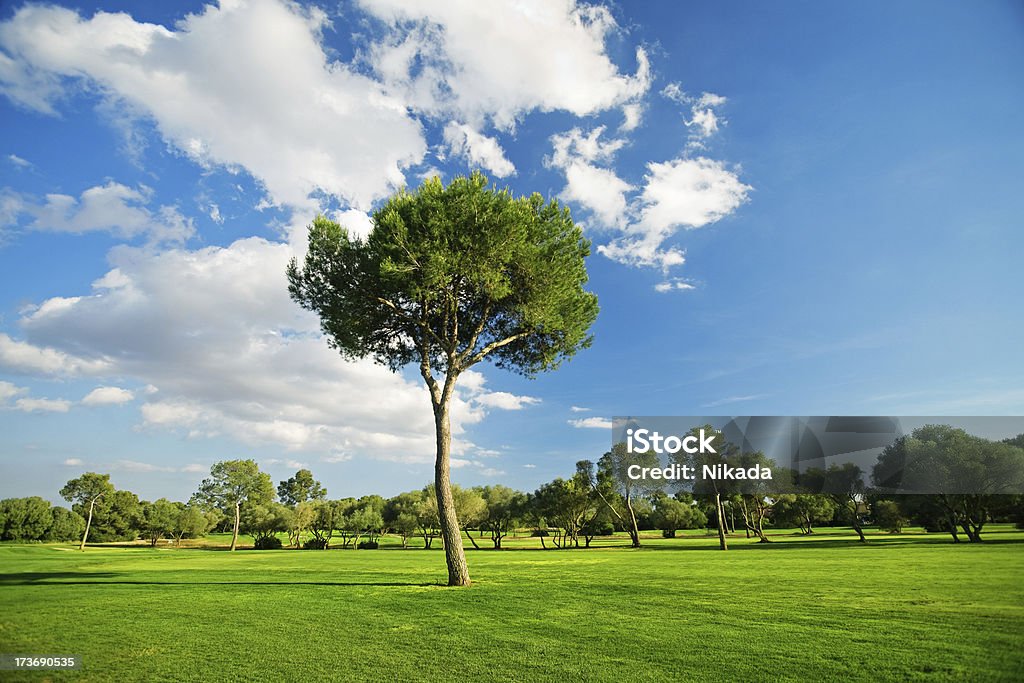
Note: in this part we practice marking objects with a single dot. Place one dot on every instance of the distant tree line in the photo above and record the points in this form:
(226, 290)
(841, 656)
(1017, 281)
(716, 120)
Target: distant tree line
(597, 500)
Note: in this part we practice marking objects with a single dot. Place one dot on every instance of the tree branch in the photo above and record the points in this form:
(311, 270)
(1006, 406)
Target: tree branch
(478, 356)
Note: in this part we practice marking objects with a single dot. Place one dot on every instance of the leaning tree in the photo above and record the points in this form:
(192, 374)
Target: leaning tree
(448, 277)
(87, 490)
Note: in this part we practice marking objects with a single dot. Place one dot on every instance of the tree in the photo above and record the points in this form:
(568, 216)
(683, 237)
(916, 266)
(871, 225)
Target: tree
(25, 519)
(263, 521)
(613, 478)
(844, 484)
(67, 525)
(189, 521)
(567, 506)
(158, 518)
(302, 516)
(714, 490)
(300, 488)
(400, 514)
(672, 514)
(964, 475)
(802, 510)
(503, 507)
(888, 516)
(449, 277)
(119, 517)
(232, 484)
(86, 491)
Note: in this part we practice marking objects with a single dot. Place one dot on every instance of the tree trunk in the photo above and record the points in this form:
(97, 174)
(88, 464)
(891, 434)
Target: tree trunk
(88, 523)
(634, 530)
(720, 515)
(238, 518)
(470, 537)
(451, 534)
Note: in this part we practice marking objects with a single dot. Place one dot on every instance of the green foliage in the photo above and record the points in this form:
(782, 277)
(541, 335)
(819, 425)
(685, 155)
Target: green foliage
(672, 514)
(67, 525)
(888, 516)
(267, 543)
(118, 517)
(300, 488)
(190, 522)
(265, 520)
(87, 488)
(234, 483)
(158, 519)
(449, 276)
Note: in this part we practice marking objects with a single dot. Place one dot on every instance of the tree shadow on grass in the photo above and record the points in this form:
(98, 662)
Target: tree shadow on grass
(114, 579)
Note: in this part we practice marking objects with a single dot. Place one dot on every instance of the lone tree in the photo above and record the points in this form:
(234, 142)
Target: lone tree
(233, 483)
(87, 490)
(448, 277)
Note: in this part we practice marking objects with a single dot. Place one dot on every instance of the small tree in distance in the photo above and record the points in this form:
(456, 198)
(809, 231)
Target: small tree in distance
(449, 277)
(233, 483)
(87, 490)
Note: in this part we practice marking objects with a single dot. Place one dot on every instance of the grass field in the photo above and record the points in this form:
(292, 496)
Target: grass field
(908, 607)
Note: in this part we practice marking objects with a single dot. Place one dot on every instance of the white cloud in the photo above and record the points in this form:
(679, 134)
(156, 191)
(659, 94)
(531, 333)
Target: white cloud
(681, 193)
(631, 116)
(20, 357)
(481, 150)
(108, 396)
(287, 462)
(487, 61)
(42, 405)
(9, 391)
(579, 409)
(195, 468)
(733, 399)
(233, 356)
(113, 208)
(135, 466)
(674, 284)
(18, 162)
(592, 423)
(529, 466)
(245, 83)
(505, 400)
(73, 462)
(597, 189)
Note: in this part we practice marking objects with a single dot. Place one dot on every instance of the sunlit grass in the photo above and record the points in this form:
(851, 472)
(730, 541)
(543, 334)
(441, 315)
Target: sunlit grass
(907, 607)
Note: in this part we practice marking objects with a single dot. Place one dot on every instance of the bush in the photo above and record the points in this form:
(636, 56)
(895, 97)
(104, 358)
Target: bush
(668, 533)
(368, 545)
(267, 543)
(315, 544)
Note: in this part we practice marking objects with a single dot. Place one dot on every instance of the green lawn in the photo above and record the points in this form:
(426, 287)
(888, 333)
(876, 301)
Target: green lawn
(909, 607)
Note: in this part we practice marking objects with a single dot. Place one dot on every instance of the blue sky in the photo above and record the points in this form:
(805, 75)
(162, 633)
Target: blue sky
(796, 209)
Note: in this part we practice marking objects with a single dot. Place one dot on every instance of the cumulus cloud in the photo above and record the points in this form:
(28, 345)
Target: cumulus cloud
(23, 358)
(505, 400)
(482, 60)
(592, 423)
(597, 189)
(108, 396)
(240, 84)
(42, 405)
(113, 207)
(73, 462)
(674, 284)
(233, 356)
(480, 150)
(682, 193)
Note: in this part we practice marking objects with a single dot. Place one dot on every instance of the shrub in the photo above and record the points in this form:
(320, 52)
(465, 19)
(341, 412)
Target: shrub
(368, 545)
(315, 544)
(268, 543)
(668, 533)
